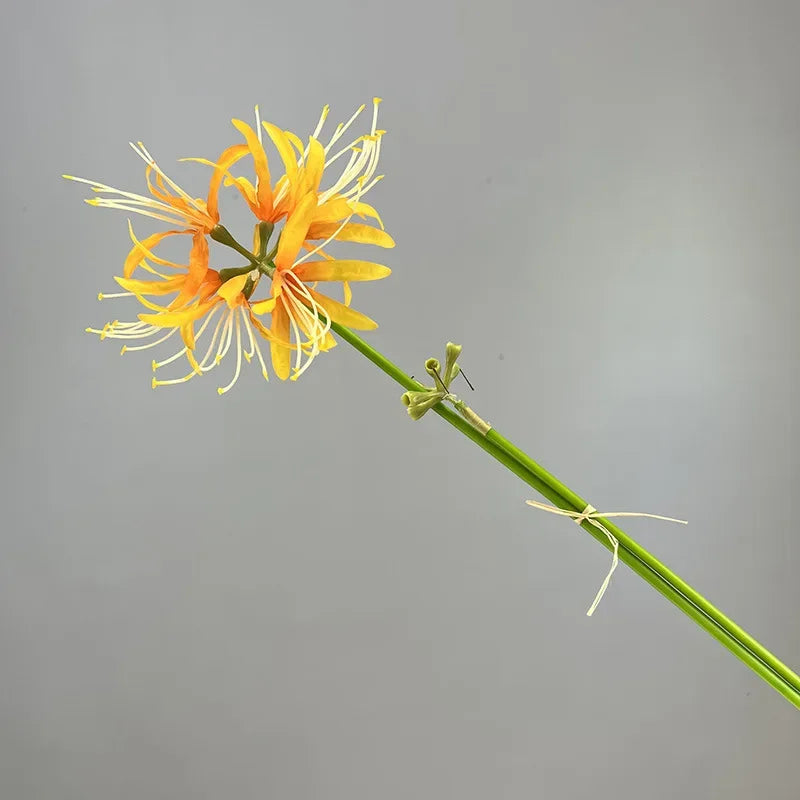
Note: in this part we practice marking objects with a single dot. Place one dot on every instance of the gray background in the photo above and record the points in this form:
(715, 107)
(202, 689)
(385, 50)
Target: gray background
(296, 592)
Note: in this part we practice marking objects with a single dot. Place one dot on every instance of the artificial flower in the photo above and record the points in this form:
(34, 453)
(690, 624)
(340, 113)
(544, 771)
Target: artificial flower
(167, 203)
(297, 309)
(202, 298)
(304, 168)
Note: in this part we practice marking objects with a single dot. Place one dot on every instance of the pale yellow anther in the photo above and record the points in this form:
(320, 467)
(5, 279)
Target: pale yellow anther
(124, 348)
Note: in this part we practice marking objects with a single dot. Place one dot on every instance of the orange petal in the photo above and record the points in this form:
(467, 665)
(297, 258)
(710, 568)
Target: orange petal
(279, 350)
(198, 257)
(284, 148)
(226, 160)
(142, 250)
(175, 319)
(198, 267)
(187, 334)
(231, 290)
(294, 232)
(152, 287)
(264, 192)
(334, 210)
(315, 164)
(296, 141)
(366, 210)
(263, 306)
(340, 271)
(337, 312)
(351, 232)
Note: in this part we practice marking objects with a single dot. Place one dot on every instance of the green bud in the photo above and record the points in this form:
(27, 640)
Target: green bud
(451, 369)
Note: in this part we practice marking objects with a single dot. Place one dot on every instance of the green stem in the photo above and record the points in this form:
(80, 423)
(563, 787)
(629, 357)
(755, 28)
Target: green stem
(643, 563)
(219, 233)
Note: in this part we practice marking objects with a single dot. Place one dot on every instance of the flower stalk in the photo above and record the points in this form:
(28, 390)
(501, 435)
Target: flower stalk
(218, 311)
(751, 652)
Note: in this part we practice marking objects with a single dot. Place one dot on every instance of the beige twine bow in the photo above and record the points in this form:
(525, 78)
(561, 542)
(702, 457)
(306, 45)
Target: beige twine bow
(590, 514)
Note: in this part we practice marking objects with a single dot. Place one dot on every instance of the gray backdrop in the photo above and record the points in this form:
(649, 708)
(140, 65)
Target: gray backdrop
(296, 592)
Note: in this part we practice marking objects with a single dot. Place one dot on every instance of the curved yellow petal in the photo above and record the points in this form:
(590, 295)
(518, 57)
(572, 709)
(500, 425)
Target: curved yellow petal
(264, 192)
(187, 334)
(284, 148)
(279, 348)
(296, 141)
(366, 210)
(231, 290)
(351, 232)
(263, 306)
(315, 164)
(143, 249)
(176, 319)
(152, 287)
(337, 312)
(334, 210)
(340, 271)
(226, 160)
(294, 232)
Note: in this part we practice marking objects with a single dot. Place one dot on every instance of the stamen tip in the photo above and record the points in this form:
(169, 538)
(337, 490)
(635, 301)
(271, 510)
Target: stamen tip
(377, 100)
(220, 391)
(154, 365)
(154, 384)
(123, 350)
(99, 295)
(247, 357)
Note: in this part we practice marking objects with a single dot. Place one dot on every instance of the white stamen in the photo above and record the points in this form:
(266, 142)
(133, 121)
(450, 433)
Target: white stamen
(254, 342)
(235, 377)
(126, 349)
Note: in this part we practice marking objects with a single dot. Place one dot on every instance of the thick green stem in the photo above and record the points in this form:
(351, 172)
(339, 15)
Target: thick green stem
(643, 563)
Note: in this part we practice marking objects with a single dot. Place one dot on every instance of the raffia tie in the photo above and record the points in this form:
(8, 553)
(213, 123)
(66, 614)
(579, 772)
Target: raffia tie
(591, 515)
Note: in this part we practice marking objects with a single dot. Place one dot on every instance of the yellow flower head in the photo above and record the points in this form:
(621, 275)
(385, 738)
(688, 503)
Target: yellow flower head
(218, 311)
(305, 166)
(167, 203)
(298, 310)
(202, 298)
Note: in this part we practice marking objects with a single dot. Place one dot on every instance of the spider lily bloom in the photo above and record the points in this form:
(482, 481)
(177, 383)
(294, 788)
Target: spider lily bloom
(168, 202)
(305, 166)
(297, 309)
(202, 298)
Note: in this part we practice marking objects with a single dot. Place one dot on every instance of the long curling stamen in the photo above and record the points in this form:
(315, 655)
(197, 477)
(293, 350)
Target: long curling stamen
(183, 351)
(227, 335)
(221, 390)
(204, 363)
(126, 349)
(254, 343)
(340, 129)
(141, 151)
